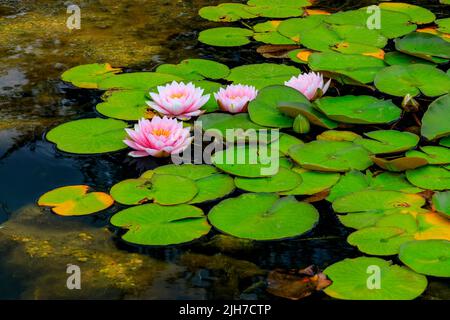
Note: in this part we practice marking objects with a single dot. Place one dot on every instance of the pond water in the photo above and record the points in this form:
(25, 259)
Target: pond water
(35, 245)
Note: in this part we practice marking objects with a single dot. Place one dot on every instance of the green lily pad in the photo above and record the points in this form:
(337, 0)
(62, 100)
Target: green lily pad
(247, 161)
(264, 109)
(226, 36)
(124, 105)
(156, 225)
(224, 121)
(445, 142)
(276, 8)
(361, 220)
(196, 69)
(435, 121)
(430, 257)
(286, 141)
(417, 14)
(293, 109)
(268, 26)
(354, 181)
(262, 75)
(401, 80)
(351, 278)
(164, 189)
(388, 141)
(137, 81)
(297, 27)
(263, 216)
(358, 109)
(210, 183)
(75, 201)
(357, 67)
(312, 182)
(443, 25)
(371, 200)
(441, 202)
(333, 156)
(89, 136)
(226, 12)
(399, 58)
(89, 75)
(338, 135)
(284, 180)
(393, 24)
(429, 177)
(424, 45)
(433, 155)
(272, 38)
(399, 164)
(380, 241)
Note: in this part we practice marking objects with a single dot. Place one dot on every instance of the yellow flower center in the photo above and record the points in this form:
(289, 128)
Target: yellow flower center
(177, 95)
(161, 132)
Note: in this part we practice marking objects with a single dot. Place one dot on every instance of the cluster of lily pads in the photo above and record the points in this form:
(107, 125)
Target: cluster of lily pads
(390, 186)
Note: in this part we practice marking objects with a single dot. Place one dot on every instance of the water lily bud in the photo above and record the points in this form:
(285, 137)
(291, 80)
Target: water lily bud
(301, 124)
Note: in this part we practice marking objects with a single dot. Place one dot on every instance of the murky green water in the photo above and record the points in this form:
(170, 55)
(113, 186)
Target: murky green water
(35, 245)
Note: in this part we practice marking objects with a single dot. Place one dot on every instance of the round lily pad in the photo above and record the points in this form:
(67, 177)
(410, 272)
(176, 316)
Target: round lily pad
(399, 164)
(137, 81)
(263, 216)
(293, 109)
(380, 241)
(358, 109)
(226, 36)
(441, 202)
(210, 183)
(337, 135)
(416, 14)
(196, 69)
(432, 154)
(424, 45)
(312, 182)
(401, 80)
(264, 109)
(75, 201)
(247, 161)
(444, 25)
(164, 189)
(272, 38)
(388, 141)
(368, 200)
(430, 177)
(284, 180)
(352, 280)
(435, 121)
(124, 105)
(392, 24)
(399, 58)
(89, 75)
(286, 141)
(262, 75)
(226, 12)
(430, 257)
(225, 121)
(89, 136)
(354, 181)
(334, 156)
(357, 67)
(277, 8)
(156, 225)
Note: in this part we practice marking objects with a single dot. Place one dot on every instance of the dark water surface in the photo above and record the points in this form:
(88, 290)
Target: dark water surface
(35, 245)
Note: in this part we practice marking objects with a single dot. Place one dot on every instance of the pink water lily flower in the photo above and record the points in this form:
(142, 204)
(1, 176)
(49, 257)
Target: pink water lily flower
(310, 84)
(235, 98)
(159, 137)
(178, 100)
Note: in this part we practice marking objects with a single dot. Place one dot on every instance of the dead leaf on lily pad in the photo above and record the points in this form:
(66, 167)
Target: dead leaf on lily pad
(296, 284)
(275, 51)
